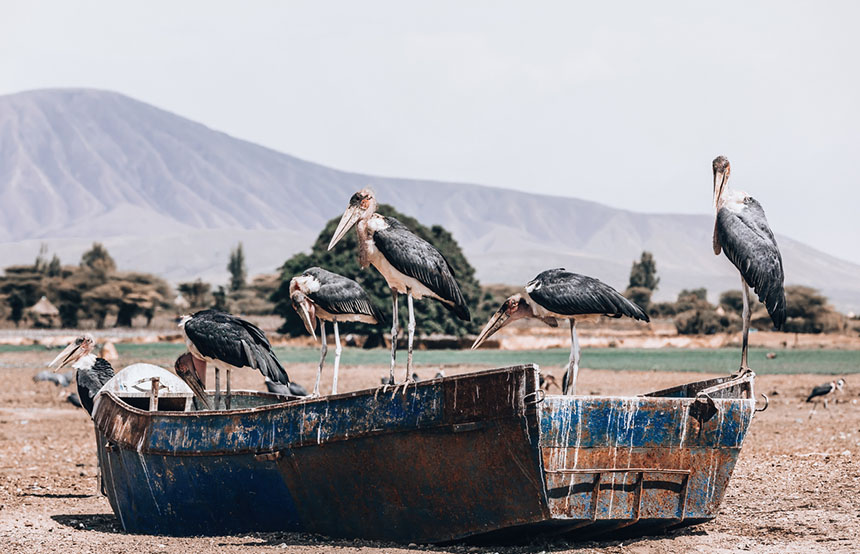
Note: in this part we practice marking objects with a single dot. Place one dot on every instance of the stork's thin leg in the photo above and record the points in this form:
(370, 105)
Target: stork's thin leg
(229, 399)
(337, 351)
(411, 329)
(746, 328)
(217, 387)
(393, 336)
(323, 350)
(573, 366)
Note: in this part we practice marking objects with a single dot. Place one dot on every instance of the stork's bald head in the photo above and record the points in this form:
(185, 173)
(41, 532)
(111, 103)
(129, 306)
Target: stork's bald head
(722, 169)
(362, 205)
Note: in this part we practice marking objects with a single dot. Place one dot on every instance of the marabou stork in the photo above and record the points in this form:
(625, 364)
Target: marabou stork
(741, 230)
(92, 373)
(822, 392)
(326, 296)
(559, 294)
(409, 264)
(227, 341)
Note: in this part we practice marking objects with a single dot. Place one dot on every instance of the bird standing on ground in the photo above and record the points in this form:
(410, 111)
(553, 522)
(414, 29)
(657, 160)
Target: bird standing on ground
(227, 341)
(326, 296)
(59, 379)
(409, 264)
(823, 392)
(741, 230)
(559, 294)
(92, 372)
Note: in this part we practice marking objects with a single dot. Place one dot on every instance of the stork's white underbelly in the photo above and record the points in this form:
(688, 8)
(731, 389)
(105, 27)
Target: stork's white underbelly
(328, 316)
(398, 281)
(540, 311)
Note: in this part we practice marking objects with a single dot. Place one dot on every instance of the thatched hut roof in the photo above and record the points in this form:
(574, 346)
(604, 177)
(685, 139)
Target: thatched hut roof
(44, 307)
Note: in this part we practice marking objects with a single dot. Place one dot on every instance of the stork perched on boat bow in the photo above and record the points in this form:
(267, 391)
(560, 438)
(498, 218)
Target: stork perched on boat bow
(559, 294)
(409, 264)
(742, 232)
(92, 372)
(224, 340)
(326, 296)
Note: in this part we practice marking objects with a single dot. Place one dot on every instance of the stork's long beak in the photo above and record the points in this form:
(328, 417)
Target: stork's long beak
(69, 355)
(185, 369)
(307, 319)
(349, 218)
(499, 320)
(720, 178)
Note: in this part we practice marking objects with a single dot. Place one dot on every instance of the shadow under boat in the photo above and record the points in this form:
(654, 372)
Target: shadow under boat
(483, 455)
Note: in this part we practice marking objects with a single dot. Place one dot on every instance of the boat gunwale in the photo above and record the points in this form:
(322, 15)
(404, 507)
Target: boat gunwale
(148, 416)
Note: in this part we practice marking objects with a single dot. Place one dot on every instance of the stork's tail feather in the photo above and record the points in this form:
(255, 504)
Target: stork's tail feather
(460, 309)
(775, 304)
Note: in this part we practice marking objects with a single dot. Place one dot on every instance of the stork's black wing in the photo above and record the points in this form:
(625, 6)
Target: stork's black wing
(820, 390)
(234, 341)
(569, 293)
(749, 243)
(90, 381)
(413, 256)
(340, 295)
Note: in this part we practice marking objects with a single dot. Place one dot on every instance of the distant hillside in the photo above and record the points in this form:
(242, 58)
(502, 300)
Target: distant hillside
(171, 196)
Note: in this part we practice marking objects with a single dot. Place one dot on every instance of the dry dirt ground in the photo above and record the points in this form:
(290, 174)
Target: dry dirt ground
(796, 487)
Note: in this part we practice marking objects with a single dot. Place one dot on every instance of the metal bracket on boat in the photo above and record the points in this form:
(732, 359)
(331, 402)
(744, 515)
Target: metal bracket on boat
(539, 396)
(766, 403)
(268, 456)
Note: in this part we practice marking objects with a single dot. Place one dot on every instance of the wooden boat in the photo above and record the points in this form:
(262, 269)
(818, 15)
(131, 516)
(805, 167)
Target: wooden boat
(485, 455)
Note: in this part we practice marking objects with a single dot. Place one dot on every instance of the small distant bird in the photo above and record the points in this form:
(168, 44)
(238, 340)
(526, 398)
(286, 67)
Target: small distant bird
(439, 374)
(326, 296)
(224, 340)
(74, 399)
(409, 264)
(59, 379)
(291, 389)
(92, 372)
(822, 392)
(559, 294)
(770, 355)
(742, 231)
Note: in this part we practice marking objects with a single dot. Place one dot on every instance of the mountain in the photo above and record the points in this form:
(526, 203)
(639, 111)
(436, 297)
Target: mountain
(171, 196)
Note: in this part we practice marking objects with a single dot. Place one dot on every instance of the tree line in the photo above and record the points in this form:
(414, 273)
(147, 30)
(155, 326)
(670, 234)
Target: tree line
(95, 290)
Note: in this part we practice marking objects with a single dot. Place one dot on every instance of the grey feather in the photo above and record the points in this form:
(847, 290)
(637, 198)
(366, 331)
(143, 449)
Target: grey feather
(413, 256)
(749, 243)
(567, 293)
(340, 295)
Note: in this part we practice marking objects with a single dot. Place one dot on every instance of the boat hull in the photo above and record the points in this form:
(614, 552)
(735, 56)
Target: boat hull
(482, 454)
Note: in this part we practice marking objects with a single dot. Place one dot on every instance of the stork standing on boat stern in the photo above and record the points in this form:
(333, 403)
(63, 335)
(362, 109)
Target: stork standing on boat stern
(326, 296)
(409, 264)
(742, 232)
(559, 294)
(227, 341)
(92, 372)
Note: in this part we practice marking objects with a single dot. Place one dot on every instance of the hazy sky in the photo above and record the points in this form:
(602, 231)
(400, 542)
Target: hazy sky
(625, 105)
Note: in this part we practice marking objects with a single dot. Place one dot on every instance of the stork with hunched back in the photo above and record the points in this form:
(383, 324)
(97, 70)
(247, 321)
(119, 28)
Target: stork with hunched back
(320, 295)
(227, 341)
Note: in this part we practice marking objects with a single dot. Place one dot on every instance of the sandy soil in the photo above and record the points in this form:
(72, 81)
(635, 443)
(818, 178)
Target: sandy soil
(795, 488)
